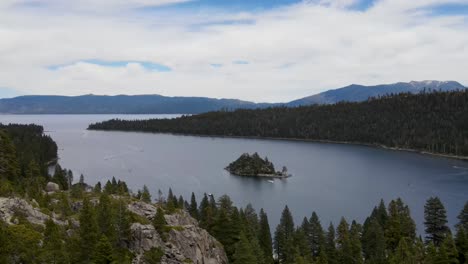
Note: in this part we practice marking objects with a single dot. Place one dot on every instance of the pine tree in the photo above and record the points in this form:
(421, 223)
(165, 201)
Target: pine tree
(284, 235)
(206, 214)
(403, 254)
(343, 241)
(53, 250)
(103, 253)
(105, 218)
(399, 224)
(88, 230)
(264, 238)
(355, 240)
(193, 209)
(98, 188)
(159, 221)
(315, 235)
(373, 242)
(171, 202)
(461, 240)
(145, 195)
(451, 250)
(435, 221)
(463, 217)
(330, 245)
(243, 252)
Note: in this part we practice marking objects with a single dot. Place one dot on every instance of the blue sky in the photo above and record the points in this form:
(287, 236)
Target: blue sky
(259, 50)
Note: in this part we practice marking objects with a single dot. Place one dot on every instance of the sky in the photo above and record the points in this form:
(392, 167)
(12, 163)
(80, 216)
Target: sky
(262, 51)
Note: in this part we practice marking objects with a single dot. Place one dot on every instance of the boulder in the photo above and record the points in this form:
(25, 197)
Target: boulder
(142, 209)
(52, 187)
(10, 208)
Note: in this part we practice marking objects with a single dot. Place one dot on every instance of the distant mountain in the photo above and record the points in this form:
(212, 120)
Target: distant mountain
(359, 93)
(120, 104)
(158, 104)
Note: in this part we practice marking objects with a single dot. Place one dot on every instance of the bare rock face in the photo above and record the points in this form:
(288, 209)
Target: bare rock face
(142, 209)
(185, 241)
(52, 187)
(11, 207)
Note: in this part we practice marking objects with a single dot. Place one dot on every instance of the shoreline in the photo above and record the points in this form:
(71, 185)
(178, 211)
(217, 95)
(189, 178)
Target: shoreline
(379, 146)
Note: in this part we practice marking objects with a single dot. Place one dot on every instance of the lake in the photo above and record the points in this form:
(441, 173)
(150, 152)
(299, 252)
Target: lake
(332, 179)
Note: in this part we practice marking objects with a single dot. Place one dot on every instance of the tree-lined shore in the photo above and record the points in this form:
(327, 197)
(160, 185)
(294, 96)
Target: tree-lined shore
(427, 122)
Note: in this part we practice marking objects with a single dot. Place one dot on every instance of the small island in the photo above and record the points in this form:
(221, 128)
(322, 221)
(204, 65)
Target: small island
(254, 166)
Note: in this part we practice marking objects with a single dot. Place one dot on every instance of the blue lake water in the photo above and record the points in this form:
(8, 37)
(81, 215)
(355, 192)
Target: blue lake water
(332, 179)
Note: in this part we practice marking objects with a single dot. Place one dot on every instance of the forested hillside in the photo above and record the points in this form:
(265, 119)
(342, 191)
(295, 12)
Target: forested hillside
(25, 153)
(111, 224)
(433, 122)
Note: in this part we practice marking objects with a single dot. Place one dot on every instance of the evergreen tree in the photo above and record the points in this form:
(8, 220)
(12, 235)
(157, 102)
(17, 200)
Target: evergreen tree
(463, 217)
(435, 221)
(403, 254)
(206, 214)
(98, 188)
(355, 240)
(373, 242)
(193, 208)
(284, 235)
(53, 250)
(343, 241)
(145, 195)
(243, 252)
(103, 253)
(461, 240)
(171, 202)
(159, 221)
(264, 238)
(399, 224)
(330, 245)
(105, 218)
(315, 235)
(451, 250)
(88, 230)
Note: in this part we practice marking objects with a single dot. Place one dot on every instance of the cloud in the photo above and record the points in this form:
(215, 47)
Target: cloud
(292, 51)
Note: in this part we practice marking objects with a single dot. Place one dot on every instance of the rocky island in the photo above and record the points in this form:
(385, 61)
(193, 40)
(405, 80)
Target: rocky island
(253, 165)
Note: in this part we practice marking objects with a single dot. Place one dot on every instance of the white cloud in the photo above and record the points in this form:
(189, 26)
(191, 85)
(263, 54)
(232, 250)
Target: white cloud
(323, 47)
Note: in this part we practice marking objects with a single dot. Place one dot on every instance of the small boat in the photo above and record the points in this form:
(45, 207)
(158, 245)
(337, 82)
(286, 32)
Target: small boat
(272, 181)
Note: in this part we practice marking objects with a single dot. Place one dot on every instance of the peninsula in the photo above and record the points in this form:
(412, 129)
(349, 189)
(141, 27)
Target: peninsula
(253, 165)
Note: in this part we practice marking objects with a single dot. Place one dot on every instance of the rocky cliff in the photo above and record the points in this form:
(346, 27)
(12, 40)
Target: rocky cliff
(185, 241)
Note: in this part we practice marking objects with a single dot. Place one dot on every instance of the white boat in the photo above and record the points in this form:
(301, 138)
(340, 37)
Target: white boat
(272, 181)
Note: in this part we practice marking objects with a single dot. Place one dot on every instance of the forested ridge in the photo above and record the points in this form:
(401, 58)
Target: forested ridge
(433, 122)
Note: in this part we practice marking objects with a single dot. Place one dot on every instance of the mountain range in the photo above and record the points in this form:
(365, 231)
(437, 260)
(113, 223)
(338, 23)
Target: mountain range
(158, 104)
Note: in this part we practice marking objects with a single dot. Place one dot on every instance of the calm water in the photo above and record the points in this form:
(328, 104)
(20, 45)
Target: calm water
(334, 180)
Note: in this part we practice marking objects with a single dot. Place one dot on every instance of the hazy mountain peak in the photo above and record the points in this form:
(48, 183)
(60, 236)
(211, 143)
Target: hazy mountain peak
(358, 93)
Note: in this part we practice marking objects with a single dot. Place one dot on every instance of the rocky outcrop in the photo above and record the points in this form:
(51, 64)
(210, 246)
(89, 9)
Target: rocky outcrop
(185, 241)
(52, 187)
(13, 208)
(142, 209)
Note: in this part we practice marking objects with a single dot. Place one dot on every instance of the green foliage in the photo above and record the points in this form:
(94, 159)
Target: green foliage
(264, 238)
(435, 218)
(193, 209)
(284, 238)
(145, 195)
(432, 122)
(103, 253)
(88, 231)
(243, 252)
(153, 256)
(159, 222)
(251, 165)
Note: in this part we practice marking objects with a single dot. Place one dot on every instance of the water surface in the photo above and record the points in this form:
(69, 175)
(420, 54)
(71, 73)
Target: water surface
(332, 179)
